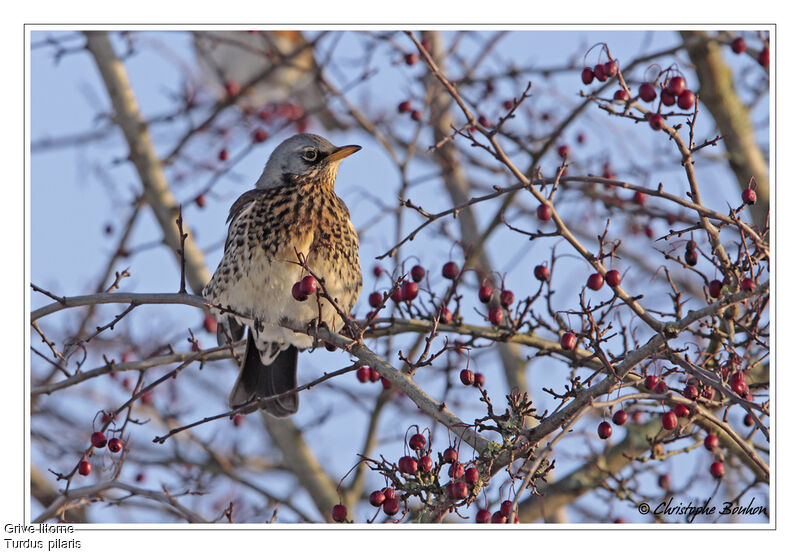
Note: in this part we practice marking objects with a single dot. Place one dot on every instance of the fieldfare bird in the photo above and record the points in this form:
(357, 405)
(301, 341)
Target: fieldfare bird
(284, 60)
(292, 214)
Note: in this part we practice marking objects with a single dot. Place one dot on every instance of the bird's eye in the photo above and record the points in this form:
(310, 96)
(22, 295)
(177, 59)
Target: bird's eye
(310, 155)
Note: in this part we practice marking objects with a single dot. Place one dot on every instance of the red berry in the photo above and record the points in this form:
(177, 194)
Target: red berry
(711, 442)
(200, 200)
(541, 272)
(611, 68)
(691, 257)
(676, 85)
(485, 293)
(467, 377)
(650, 382)
(425, 464)
(484, 516)
(223, 155)
(418, 273)
(691, 392)
(259, 135)
(412, 58)
(681, 410)
(297, 294)
(410, 290)
(450, 270)
(717, 470)
(407, 464)
(739, 386)
(647, 92)
(715, 288)
(426, 44)
(621, 94)
(508, 104)
(749, 196)
(686, 100)
(664, 481)
(563, 150)
(661, 387)
(506, 298)
(568, 341)
(505, 508)
(620, 417)
(669, 420)
(397, 295)
(374, 376)
(460, 490)
(416, 115)
(232, 88)
(496, 315)
(85, 467)
(595, 281)
(386, 383)
(450, 455)
(377, 271)
(404, 106)
(738, 45)
(604, 430)
(600, 73)
(747, 284)
(763, 57)
(339, 513)
(613, 278)
(748, 420)
(480, 380)
(265, 114)
(376, 498)
(389, 492)
(210, 324)
(115, 445)
(497, 517)
(416, 442)
(375, 299)
(587, 75)
(445, 316)
(482, 120)
(391, 506)
(308, 285)
(471, 475)
(237, 421)
(98, 439)
(667, 98)
(456, 470)
(656, 121)
(544, 212)
(639, 198)
(362, 374)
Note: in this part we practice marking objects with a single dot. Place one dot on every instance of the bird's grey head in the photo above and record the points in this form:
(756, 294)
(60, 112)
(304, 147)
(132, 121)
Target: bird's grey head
(304, 157)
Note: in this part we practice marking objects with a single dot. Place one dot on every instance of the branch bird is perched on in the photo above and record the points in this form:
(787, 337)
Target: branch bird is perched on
(292, 210)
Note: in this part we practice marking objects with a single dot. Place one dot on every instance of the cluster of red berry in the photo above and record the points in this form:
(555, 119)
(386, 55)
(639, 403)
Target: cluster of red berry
(98, 440)
(366, 374)
(304, 288)
(406, 107)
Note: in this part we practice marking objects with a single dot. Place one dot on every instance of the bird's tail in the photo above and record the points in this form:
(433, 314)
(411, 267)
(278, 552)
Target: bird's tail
(259, 380)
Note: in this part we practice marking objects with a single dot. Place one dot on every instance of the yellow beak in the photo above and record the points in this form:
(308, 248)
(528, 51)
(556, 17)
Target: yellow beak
(342, 152)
